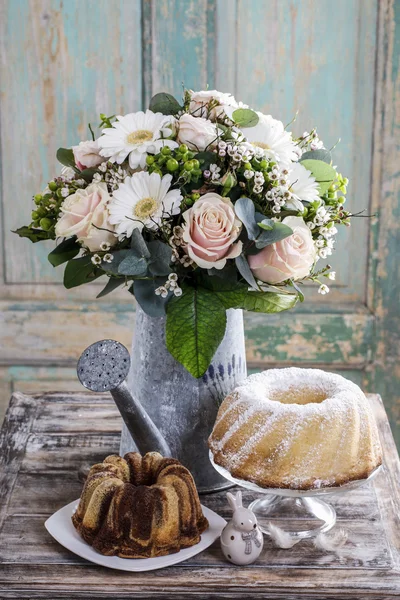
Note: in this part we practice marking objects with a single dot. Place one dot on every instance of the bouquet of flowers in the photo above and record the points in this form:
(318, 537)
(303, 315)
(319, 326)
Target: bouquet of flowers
(197, 208)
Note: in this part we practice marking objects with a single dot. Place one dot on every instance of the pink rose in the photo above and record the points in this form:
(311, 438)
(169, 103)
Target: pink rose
(197, 133)
(291, 258)
(87, 155)
(210, 230)
(83, 213)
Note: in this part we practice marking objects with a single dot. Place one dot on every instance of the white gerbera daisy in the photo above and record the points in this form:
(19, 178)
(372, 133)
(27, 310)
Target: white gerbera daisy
(302, 187)
(136, 135)
(143, 200)
(270, 135)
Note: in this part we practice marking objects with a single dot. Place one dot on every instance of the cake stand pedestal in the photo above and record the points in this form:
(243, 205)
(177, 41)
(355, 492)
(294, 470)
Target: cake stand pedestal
(309, 514)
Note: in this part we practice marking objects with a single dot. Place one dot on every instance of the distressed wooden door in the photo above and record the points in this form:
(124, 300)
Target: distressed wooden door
(336, 63)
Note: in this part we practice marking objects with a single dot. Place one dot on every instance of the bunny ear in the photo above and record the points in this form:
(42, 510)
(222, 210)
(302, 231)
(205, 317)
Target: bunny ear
(231, 500)
(239, 499)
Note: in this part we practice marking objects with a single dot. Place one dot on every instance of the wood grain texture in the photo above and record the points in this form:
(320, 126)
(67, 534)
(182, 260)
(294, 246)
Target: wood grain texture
(64, 62)
(47, 438)
(69, 62)
(384, 292)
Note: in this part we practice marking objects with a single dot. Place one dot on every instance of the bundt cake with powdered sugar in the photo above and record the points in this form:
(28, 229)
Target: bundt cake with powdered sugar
(139, 507)
(298, 429)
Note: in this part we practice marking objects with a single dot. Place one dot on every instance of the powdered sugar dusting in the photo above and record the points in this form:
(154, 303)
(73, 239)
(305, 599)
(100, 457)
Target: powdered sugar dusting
(300, 426)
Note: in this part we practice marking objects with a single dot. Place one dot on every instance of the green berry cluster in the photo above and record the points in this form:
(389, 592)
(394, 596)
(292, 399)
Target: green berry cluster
(48, 205)
(180, 163)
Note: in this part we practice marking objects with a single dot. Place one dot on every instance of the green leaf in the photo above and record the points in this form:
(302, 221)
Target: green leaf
(80, 271)
(245, 117)
(144, 292)
(245, 211)
(262, 302)
(321, 154)
(245, 271)
(160, 260)
(66, 157)
(139, 245)
(205, 159)
(112, 284)
(65, 251)
(87, 174)
(132, 265)
(324, 174)
(35, 235)
(269, 302)
(196, 323)
(266, 224)
(118, 257)
(165, 104)
(279, 232)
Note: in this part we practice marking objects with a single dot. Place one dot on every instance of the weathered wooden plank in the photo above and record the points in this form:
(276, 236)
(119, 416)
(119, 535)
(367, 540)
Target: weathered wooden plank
(60, 334)
(30, 496)
(23, 540)
(68, 72)
(385, 243)
(363, 569)
(13, 438)
(67, 452)
(182, 45)
(287, 57)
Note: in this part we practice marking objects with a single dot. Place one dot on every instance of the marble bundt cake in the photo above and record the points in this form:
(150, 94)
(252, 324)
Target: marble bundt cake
(296, 428)
(139, 507)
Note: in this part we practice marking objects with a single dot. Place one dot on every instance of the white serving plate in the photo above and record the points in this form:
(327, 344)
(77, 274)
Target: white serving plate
(61, 528)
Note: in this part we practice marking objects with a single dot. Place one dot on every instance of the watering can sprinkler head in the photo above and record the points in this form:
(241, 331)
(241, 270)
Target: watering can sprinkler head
(104, 367)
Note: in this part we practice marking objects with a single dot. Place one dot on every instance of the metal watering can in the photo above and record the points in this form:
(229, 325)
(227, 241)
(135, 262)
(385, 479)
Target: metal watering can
(163, 407)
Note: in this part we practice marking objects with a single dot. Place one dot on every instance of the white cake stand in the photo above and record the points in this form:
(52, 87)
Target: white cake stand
(302, 506)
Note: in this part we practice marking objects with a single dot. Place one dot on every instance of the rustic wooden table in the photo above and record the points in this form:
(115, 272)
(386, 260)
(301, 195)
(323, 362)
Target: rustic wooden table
(46, 439)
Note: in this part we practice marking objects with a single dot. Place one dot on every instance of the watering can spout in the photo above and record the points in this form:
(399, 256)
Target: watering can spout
(103, 367)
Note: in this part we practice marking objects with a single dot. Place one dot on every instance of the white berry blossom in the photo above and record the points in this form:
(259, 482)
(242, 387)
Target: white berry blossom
(323, 289)
(135, 135)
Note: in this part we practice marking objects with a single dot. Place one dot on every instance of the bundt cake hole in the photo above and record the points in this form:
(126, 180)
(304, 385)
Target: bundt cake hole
(299, 395)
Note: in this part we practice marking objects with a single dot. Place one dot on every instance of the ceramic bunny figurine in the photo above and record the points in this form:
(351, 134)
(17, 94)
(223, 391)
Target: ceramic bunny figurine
(241, 539)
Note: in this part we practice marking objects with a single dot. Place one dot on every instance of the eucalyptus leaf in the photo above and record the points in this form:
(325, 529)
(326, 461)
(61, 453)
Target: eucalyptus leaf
(266, 224)
(245, 271)
(112, 284)
(279, 232)
(245, 211)
(132, 265)
(322, 154)
(144, 292)
(298, 290)
(323, 173)
(118, 257)
(164, 103)
(245, 117)
(34, 235)
(196, 323)
(139, 245)
(160, 258)
(66, 250)
(66, 157)
(79, 271)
